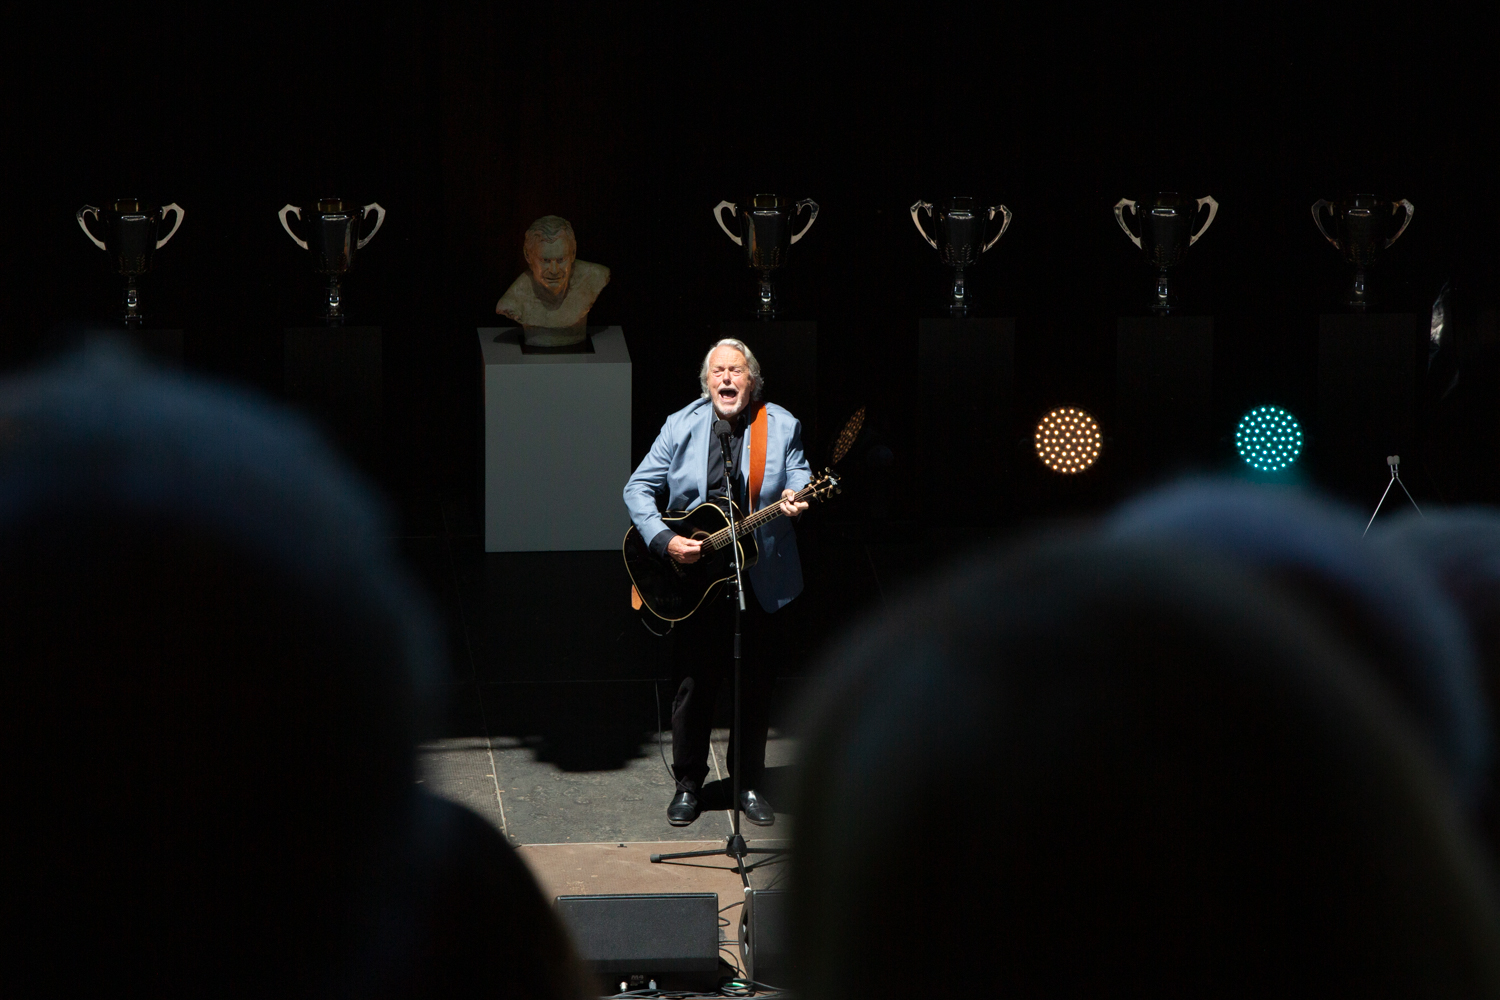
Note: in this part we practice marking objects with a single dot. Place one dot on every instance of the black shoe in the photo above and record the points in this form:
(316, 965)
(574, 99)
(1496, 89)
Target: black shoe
(684, 809)
(756, 809)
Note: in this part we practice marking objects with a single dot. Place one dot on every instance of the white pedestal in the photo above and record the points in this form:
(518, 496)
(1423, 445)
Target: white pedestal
(556, 444)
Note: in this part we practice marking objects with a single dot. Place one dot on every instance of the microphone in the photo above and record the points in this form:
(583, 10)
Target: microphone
(721, 431)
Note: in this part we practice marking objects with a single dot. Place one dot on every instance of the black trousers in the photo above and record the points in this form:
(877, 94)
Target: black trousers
(702, 663)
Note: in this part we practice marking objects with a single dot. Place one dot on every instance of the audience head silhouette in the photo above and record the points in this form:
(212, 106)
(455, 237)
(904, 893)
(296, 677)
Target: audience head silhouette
(1461, 548)
(1392, 612)
(1091, 767)
(214, 678)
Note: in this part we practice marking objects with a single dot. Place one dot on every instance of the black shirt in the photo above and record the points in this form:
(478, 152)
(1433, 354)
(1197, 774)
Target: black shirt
(716, 474)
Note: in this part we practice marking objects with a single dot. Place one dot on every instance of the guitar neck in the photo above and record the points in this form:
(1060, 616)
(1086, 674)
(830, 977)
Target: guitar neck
(759, 519)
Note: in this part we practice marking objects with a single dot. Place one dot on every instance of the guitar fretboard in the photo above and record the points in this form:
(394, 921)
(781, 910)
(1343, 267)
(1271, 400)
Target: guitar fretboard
(721, 538)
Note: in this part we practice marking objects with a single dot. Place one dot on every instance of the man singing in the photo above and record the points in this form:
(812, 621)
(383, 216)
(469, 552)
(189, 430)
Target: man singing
(684, 468)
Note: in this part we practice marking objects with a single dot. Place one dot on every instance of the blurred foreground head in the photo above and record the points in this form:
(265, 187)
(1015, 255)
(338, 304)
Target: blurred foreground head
(1091, 768)
(1390, 610)
(213, 678)
(1461, 548)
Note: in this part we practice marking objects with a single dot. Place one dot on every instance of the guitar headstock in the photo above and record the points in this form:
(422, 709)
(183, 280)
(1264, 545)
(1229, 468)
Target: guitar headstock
(825, 485)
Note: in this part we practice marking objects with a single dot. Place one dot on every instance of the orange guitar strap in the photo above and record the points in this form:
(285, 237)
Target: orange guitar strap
(757, 455)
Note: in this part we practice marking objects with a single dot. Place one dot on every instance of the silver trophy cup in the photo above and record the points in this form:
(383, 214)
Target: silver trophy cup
(332, 228)
(1362, 229)
(766, 233)
(130, 229)
(959, 224)
(1166, 224)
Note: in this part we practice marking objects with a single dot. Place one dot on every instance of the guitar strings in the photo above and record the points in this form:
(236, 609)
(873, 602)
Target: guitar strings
(746, 525)
(720, 538)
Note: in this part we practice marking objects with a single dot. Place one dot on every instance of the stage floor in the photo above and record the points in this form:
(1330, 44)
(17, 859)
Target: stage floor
(535, 802)
(595, 831)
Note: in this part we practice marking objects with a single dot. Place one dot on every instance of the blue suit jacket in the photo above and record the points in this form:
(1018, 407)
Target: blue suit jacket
(674, 476)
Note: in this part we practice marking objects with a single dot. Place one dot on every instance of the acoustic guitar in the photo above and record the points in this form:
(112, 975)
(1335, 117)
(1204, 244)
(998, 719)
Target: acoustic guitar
(672, 591)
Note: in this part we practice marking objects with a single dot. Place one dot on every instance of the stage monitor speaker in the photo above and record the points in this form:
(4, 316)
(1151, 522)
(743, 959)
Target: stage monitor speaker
(764, 939)
(649, 936)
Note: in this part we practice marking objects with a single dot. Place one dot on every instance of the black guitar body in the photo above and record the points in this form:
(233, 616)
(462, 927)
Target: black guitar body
(671, 590)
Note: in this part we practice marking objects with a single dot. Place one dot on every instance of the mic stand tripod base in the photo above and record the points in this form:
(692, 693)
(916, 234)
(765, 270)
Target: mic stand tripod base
(734, 847)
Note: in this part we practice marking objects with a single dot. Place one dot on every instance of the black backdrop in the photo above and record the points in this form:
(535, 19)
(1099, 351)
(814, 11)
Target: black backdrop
(633, 122)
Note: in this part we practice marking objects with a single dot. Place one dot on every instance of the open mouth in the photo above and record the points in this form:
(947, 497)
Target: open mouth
(728, 394)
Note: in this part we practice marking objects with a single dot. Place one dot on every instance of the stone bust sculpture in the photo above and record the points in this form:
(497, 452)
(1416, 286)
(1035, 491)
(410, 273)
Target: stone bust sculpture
(551, 301)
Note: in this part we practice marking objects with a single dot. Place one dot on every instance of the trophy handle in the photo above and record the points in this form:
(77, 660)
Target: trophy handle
(282, 216)
(928, 206)
(804, 203)
(1120, 207)
(719, 218)
(1317, 212)
(1213, 210)
(1410, 211)
(1003, 226)
(379, 221)
(90, 210)
(174, 207)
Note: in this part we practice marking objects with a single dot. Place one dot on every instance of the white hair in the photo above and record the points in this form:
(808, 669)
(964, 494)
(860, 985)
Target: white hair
(756, 384)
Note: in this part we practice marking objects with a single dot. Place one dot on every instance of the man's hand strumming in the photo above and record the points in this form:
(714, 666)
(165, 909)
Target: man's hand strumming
(684, 550)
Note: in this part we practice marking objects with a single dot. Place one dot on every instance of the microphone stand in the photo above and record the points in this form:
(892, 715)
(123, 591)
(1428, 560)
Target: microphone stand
(736, 847)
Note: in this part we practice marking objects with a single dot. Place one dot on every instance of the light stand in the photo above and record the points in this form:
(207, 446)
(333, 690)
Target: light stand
(735, 847)
(1394, 461)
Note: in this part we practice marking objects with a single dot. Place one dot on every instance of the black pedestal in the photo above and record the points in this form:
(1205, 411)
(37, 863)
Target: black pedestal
(1369, 374)
(965, 395)
(1164, 375)
(788, 356)
(162, 347)
(333, 374)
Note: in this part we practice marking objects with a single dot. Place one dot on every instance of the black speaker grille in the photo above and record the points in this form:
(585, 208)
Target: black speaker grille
(763, 937)
(646, 933)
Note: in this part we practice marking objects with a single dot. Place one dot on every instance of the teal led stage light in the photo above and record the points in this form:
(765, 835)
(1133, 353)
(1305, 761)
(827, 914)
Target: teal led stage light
(1268, 438)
